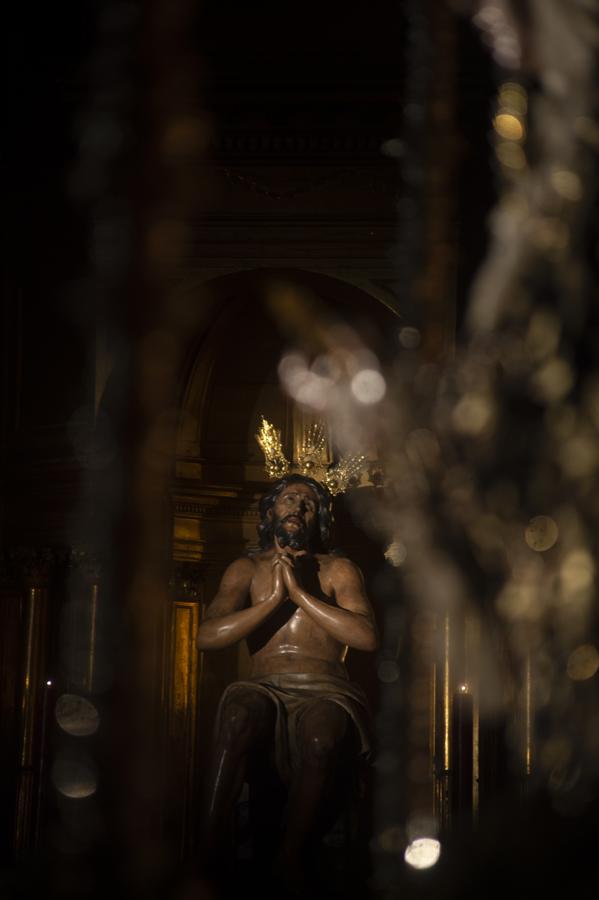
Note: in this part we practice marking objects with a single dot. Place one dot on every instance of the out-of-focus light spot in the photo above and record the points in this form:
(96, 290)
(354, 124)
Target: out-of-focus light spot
(519, 601)
(510, 155)
(74, 777)
(423, 853)
(549, 232)
(388, 671)
(292, 369)
(76, 715)
(513, 98)
(368, 386)
(314, 391)
(500, 34)
(541, 533)
(577, 571)
(583, 662)
(49, 683)
(579, 455)
(409, 337)
(508, 126)
(543, 334)
(309, 387)
(567, 184)
(552, 381)
(462, 688)
(472, 414)
(393, 148)
(396, 553)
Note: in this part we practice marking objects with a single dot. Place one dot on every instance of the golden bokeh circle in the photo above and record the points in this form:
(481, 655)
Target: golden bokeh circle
(541, 533)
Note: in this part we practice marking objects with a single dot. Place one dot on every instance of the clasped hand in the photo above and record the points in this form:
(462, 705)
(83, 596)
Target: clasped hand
(284, 578)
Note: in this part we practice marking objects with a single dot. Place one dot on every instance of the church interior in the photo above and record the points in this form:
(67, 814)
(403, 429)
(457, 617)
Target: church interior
(373, 227)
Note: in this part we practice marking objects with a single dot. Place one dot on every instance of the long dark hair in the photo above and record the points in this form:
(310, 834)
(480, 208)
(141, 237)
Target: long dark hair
(320, 541)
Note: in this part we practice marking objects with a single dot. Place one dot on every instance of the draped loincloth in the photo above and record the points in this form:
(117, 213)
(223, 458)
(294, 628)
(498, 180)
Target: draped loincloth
(292, 695)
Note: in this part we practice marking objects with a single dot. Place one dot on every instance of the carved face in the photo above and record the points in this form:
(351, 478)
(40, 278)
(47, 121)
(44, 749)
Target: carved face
(294, 515)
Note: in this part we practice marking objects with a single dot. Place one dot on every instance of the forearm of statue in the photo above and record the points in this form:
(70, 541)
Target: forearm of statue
(229, 619)
(224, 631)
(357, 630)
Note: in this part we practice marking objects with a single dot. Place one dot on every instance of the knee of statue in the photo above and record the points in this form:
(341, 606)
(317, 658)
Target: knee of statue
(319, 750)
(235, 726)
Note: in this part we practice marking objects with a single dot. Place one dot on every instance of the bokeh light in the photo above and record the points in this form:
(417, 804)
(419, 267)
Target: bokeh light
(75, 776)
(76, 715)
(368, 386)
(583, 662)
(423, 853)
(541, 533)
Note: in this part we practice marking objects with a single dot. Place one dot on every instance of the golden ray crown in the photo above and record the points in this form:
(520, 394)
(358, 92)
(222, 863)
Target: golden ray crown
(311, 458)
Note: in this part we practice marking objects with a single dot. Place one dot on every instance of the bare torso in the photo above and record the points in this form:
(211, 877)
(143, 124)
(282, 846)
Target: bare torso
(291, 641)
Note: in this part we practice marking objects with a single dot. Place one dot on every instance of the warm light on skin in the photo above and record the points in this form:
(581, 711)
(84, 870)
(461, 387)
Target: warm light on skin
(296, 500)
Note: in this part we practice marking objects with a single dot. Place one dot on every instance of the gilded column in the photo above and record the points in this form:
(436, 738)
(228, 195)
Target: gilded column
(180, 693)
(84, 663)
(36, 569)
(441, 702)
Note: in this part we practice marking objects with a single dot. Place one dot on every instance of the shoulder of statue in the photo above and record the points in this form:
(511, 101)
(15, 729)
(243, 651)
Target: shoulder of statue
(257, 555)
(330, 559)
(242, 564)
(338, 562)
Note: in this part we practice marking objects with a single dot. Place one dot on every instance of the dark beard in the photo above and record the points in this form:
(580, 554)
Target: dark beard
(297, 540)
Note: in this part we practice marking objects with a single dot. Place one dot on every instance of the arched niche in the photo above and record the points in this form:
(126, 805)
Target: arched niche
(228, 381)
(231, 372)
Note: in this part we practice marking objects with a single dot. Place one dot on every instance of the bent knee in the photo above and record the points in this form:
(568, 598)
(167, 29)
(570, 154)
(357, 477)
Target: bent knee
(235, 725)
(322, 739)
(318, 750)
(245, 719)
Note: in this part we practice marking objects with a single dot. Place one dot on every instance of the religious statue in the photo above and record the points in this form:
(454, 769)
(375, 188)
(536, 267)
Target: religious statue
(299, 607)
